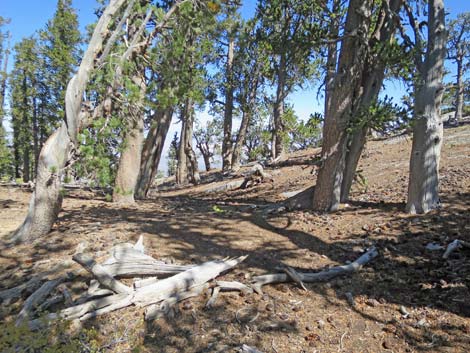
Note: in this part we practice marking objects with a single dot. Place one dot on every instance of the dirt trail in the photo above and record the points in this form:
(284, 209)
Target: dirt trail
(189, 225)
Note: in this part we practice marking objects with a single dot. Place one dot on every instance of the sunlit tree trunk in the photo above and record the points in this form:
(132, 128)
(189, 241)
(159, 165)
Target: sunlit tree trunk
(46, 200)
(423, 186)
(372, 82)
(346, 86)
(228, 113)
(129, 163)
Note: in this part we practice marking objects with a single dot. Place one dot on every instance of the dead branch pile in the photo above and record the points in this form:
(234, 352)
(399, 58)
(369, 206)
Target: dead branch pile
(107, 293)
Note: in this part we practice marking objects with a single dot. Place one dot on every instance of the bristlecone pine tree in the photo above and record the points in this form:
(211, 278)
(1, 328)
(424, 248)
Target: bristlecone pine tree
(423, 185)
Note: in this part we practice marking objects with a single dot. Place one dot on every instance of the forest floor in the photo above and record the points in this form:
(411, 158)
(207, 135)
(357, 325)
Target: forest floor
(191, 226)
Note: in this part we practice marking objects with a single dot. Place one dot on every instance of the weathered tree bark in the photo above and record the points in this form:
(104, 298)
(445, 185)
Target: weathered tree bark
(423, 185)
(57, 151)
(228, 112)
(277, 145)
(129, 163)
(46, 200)
(372, 81)
(346, 86)
(332, 54)
(152, 151)
(187, 169)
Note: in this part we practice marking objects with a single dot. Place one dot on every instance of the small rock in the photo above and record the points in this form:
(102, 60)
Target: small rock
(404, 312)
(350, 298)
(372, 302)
(320, 324)
(187, 306)
(269, 307)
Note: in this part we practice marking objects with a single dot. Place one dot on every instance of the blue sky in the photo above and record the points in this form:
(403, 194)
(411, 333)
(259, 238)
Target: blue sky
(28, 16)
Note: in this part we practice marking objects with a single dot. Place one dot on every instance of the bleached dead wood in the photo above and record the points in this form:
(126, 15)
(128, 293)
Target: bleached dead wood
(234, 286)
(247, 349)
(231, 185)
(156, 311)
(184, 281)
(36, 299)
(326, 275)
(145, 282)
(178, 286)
(454, 245)
(215, 294)
(127, 261)
(10, 294)
(101, 274)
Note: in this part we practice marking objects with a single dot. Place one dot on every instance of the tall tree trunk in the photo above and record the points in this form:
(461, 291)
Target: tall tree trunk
(152, 151)
(46, 200)
(182, 163)
(372, 81)
(346, 87)
(423, 185)
(277, 146)
(26, 164)
(247, 113)
(332, 55)
(36, 149)
(129, 163)
(25, 140)
(186, 169)
(241, 136)
(228, 113)
(460, 91)
(207, 161)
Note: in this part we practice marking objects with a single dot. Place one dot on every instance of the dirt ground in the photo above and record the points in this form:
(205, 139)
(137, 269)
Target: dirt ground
(192, 226)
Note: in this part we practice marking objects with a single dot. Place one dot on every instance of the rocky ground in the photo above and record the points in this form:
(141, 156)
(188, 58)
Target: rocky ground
(408, 299)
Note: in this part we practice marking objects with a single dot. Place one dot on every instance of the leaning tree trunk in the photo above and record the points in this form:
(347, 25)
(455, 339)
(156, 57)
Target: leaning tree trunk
(228, 113)
(346, 87)
(372, 82)
(152, 151)
(460, 92)
(46, 200)
(423, 185)
(129, 163)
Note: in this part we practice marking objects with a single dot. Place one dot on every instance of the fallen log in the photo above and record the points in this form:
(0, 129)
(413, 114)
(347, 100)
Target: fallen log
(234, 286)
(183, 281)
(454, 245)
(127, 261)
(322, 276)
(156, 311)
(36, 299)
(177, 286)
(101, 274)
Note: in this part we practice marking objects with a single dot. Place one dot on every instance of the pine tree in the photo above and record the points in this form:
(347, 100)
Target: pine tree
(61, 55)
(23, 84)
